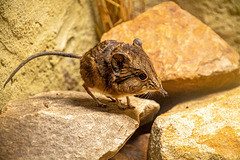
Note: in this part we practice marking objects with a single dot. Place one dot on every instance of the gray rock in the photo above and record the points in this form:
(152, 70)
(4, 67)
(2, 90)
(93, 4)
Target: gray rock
(68, 125)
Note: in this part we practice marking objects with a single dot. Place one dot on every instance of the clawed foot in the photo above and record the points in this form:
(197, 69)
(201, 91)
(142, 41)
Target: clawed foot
(121, 107)
(131, 107)
(113, 100)
(129, 104)
(102, 105)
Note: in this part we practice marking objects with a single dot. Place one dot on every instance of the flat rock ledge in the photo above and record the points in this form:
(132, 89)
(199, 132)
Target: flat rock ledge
(206, 128)
(69, 125)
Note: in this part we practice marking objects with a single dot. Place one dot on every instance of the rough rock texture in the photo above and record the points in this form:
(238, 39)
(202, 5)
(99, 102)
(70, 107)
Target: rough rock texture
(68, 125)
(29, 27)
(134, 149)
(205, 128)
(221, 15)
(187, 54)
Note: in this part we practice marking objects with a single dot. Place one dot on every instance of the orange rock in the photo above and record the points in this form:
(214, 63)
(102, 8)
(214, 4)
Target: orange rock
(187, 54)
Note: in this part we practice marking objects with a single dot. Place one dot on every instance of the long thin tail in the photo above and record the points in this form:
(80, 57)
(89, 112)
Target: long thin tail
(39, 55)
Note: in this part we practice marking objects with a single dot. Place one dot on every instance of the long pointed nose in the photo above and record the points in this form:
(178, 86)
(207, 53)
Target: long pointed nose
(158, 86)
(163, 91)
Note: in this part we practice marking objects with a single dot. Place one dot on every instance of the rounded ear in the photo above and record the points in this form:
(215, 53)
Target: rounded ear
(137, 42)
(119, 61)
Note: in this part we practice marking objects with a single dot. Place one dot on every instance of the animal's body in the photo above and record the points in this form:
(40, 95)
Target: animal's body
(115, 69)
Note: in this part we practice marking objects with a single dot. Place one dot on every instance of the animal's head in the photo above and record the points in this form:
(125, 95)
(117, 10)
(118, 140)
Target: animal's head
(134, 70)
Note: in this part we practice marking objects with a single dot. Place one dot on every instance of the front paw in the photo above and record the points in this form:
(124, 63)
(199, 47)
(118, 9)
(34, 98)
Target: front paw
(121, 107)
(130, 106)
(102, 105)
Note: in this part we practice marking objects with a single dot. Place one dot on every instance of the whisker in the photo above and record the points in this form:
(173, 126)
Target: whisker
(145, 95)
(148, 95)
(142, 95)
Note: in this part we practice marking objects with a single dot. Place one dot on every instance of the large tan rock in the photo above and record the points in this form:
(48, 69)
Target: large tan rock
(206, 128)
(68, 125)
(29, 27)
(213, 13)
(187, 54)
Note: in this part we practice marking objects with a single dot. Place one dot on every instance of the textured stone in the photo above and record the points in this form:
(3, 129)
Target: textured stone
(68, 125)
(205, 128)
(213, 13)
(134, 149)
(29, 27)
(187, 54)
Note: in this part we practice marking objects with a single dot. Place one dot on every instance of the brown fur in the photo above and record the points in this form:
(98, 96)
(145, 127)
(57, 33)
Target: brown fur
(97, 69)
(114, 68)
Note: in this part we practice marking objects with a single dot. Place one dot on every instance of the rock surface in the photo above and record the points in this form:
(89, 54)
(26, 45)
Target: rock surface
(187, 54)
(68, 125)
(213, 13)
(28, 27)
(206, 128)
(134, 149)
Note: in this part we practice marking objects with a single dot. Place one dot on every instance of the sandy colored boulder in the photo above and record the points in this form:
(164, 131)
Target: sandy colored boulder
(187, 54)
(213, 13)
(206, 128)
(68, 125)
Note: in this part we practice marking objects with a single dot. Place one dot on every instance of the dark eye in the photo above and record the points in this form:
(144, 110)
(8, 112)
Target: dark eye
(143, 76)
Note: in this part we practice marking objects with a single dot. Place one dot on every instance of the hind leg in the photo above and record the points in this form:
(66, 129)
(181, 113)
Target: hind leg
(100, 104)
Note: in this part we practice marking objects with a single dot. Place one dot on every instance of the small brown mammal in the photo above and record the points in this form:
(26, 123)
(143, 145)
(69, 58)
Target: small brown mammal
(115, 69)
